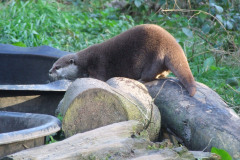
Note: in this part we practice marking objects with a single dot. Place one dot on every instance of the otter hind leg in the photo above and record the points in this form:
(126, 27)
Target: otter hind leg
(164, 74)
(151, 72)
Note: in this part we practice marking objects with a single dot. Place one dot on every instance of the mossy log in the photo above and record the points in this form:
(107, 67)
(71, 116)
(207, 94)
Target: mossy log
(90, 103)
(202, 122)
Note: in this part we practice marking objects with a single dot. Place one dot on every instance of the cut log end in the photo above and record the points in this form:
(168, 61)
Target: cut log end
(93, 108)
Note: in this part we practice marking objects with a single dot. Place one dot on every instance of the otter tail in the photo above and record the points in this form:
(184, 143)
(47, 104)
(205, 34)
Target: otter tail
(178, 64)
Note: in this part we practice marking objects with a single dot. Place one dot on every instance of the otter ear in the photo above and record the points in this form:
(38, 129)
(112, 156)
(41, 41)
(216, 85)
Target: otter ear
(71, 61)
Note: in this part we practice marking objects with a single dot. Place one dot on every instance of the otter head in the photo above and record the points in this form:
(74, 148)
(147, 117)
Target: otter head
(64, 68)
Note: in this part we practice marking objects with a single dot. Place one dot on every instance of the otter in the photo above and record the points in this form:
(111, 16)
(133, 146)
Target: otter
(143, 53)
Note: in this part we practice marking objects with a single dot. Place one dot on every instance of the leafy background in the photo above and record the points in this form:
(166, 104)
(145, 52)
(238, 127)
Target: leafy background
(207, 30)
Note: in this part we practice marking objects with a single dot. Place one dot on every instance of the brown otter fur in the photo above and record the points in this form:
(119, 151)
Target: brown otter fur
(143, 52)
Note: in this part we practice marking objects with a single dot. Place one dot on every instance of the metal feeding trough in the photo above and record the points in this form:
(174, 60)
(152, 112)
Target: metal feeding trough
(19, 131)
(24, 82)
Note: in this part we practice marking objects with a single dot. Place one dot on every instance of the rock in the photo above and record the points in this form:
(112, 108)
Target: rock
(91, 103)
(202, 122)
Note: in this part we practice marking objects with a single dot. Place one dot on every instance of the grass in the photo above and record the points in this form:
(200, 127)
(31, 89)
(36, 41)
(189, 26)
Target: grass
(74, 27)
(30, 23)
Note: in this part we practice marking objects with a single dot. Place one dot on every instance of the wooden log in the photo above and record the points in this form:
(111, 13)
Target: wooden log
(112, 140)
(90, 103)
(138, 94)
(115, 141)
(202, 122)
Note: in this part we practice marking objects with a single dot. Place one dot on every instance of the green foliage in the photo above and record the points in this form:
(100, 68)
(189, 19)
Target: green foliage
(50, 139)
(152, 147)
(35, 23)
(60, 117)
(188, 32)
(208, 31)
(224, 154)
(54, 137)
(208, 63)
(155, 147)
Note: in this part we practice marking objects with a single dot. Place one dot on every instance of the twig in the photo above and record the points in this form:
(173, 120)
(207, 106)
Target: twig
(164, 84)
(208, 144)
(193, 10)
(152, 102)
(233, 89)
(205, 39)
(189, 3)
(26, 147)
(175, 4)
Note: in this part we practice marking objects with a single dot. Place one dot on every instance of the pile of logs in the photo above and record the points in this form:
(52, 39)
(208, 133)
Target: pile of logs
(93, 113)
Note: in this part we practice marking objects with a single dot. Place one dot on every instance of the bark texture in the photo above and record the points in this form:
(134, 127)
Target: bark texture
(203, 121)
(90, 103)
(115, 141)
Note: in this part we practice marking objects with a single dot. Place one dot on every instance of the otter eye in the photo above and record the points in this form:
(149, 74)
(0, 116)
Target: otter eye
(71, 61)
(57, 67)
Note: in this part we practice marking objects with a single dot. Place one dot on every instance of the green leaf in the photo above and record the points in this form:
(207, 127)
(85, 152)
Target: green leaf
(232, 81)
(212, 1)
(224, 154)
(219, 17)
(238, 89)
(202, 16)
(229, 25)
(50, 139)
(34, 32)
(206, 28)
(60, 117)
(170, 23)
(208, 63)
(219, 9)
(138, 3)
(187, 32)
(20, 44)
(214, 68)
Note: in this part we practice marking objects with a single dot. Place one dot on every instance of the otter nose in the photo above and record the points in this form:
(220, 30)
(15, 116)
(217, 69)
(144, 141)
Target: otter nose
(50, 72)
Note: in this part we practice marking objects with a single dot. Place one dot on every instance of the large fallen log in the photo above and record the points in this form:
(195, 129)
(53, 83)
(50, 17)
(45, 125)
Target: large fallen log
(202, 122)
(115, 141)
(91, 103)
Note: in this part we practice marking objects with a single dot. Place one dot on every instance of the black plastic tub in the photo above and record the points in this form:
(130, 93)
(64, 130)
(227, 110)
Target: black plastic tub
(24, 81)
(19, 131)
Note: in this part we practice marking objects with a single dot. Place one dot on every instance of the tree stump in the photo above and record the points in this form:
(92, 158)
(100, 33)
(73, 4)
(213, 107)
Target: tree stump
(202, 122)
(91, 103)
